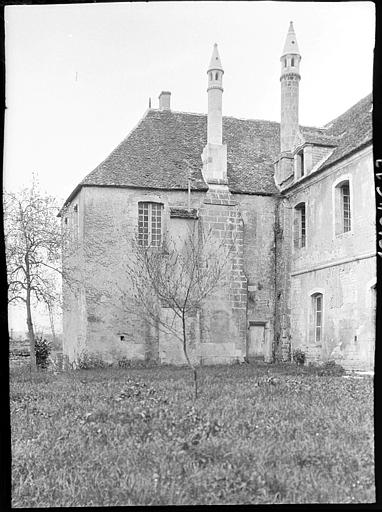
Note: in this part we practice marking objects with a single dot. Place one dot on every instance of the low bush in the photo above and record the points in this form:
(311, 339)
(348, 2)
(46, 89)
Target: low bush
(90, 361)
(43, 349)
(331, 368)
(299, 356)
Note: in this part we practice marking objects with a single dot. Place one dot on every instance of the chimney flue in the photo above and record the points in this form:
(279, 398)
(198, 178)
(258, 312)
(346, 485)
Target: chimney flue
(164, 100)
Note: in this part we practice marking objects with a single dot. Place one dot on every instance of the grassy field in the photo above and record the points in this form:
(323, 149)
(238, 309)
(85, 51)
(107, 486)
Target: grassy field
(257, 434)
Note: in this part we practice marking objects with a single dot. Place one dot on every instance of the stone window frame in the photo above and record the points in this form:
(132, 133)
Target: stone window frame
(149, 197)
(299, 162)
(152, 223)
(338, 207)
(299, 230)
(313, 294)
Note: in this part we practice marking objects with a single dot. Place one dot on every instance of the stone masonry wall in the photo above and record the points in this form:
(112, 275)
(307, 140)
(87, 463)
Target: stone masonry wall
(73, 290)
(258, 213)
(97, 317)
(223, 319)
(341, 266)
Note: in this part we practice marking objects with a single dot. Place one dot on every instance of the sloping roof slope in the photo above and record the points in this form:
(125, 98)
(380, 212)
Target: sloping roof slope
(159, 152)
(166, 145)
(354, 129)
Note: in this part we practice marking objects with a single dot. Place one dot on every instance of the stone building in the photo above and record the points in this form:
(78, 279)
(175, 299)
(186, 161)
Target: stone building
(298, 199)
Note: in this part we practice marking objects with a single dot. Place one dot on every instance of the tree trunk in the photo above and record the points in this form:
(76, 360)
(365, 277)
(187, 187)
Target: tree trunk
(51, 319)
(32, 342)
(188, 359)
(31, 336)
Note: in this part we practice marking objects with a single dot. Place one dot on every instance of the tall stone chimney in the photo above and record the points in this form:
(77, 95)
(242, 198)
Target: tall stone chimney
(290, 78)
(214, 155)
(164, 100)
(289, 126)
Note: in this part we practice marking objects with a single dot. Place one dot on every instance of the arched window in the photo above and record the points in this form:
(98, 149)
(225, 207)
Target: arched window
(210, 76)
(299, 226)
(292, 62)
(285, 63)
(342, 207)
(216, 76)
(150, 224)
(317, 307)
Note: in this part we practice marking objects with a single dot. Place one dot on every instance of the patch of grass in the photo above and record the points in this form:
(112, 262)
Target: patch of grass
(257, 434)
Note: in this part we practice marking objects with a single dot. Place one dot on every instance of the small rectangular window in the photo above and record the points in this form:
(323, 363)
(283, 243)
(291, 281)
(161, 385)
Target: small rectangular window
(150, 224)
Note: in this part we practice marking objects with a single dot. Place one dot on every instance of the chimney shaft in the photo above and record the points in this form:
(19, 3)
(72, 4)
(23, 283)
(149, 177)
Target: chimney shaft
(164, 100)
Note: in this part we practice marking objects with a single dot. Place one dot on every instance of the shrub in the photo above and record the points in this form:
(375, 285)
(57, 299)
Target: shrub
(299, 356)
(43, 349)
(124, 362)
(331, 368)
(87, 361)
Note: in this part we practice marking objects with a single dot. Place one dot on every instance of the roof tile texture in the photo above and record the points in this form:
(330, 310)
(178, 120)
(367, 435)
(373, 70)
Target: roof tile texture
(165, 149)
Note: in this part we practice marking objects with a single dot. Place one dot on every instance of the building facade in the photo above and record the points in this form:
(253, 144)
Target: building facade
(297, 201)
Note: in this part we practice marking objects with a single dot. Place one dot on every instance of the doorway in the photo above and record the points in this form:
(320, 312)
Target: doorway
(256, 343)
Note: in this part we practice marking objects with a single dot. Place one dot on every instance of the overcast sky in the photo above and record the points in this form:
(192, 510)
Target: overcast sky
(79, 77)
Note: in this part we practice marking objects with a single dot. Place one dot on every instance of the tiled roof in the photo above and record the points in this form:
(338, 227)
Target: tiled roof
(319, 136)
(166, 145)
(159, 152)
(354, 129)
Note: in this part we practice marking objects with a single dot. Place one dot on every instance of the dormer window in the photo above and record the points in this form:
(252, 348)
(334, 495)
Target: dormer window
(300, 164)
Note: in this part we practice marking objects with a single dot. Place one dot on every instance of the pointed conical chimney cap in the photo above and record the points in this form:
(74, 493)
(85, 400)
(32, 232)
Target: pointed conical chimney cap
(215, 62)
(291, 45)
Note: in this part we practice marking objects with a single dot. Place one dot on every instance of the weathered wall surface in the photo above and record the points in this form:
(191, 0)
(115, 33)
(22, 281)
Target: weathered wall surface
(73, 291)
(258, 213)
(223, 317)
(348, 314)
(99, 317)
(114, 328)
(340, 266)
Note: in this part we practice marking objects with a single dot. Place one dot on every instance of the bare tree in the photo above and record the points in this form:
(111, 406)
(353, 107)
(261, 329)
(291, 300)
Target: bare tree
(33, 252)
(178, 276)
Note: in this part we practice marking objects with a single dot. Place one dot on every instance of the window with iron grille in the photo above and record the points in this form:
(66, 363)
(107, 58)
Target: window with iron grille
(317, 310)
(299, 226)
(150, 224)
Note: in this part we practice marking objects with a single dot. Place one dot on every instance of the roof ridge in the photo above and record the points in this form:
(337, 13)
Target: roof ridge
(224, 117)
